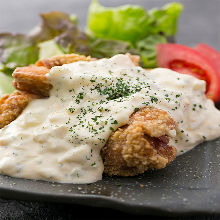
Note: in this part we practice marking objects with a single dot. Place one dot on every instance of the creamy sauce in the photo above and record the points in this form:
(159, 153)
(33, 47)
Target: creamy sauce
(59, 138)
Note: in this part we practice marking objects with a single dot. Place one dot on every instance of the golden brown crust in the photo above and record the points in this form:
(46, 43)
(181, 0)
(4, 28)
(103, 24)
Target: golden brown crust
(32, 79)
(62, 59)
(12, 105)
(134, 58)
(140, 145)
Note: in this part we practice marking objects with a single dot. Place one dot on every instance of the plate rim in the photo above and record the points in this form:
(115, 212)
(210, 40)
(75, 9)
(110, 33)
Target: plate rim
(106, 202)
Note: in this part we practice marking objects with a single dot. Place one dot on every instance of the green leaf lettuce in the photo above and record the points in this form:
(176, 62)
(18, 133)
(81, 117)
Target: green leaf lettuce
(5, 84)
(61, 28)
(131, 25)
(16, 50)
(164, 20)
(147, 49)
(126, 23)
(107, 48)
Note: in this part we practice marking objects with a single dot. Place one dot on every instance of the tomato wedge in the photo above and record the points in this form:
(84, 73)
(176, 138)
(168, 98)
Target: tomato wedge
(186, 60)
(211, 54)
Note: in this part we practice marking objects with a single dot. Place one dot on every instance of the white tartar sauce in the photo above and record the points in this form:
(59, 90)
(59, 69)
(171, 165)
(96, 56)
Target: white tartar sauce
(59, 138)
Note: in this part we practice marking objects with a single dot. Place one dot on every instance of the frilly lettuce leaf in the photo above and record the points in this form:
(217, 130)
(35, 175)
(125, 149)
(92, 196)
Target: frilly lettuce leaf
(164, 20)
(130, 22)
(147, 49)
(63, 29)
(16, 50)
(134, 25)
(53, 24)
(5, 84)
(48, 49)
(107, 48)
(57, 27)
(126, 23)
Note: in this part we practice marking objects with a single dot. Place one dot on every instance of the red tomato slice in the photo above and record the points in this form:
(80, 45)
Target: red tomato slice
(186, 60)
(211, 54)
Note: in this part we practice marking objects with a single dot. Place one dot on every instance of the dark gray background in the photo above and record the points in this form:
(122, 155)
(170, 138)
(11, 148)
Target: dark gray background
(200, 22)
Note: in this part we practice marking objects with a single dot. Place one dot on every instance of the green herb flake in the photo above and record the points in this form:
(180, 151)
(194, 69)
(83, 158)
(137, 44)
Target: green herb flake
(115, 122)
(93, 164)
(117, 184)
(71, 110)
(136, 109)
(154, 99)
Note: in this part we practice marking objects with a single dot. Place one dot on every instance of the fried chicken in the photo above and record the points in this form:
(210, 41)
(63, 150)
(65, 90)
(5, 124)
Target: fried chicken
(140, 145)
(62, 59)
(134, 58)
(33, 78)
(12, 105)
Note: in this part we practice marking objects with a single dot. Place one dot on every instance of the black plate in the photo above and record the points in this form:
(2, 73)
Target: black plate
(191, 184)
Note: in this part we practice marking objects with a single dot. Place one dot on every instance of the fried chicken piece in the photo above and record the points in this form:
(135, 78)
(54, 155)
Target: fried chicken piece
(62, 59)
(140, 145)
(33, 78)
(12, 105)
(134, 58)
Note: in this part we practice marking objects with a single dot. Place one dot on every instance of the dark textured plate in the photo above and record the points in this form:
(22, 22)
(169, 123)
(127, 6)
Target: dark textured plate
(190, 185)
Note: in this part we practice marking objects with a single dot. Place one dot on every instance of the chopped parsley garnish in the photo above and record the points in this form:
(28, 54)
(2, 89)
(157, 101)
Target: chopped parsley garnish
(71, 110)
(115, 122)
(93, 164)
(79, 96)
(119, 90)
(154, 99)
(96, 118)
(136, 109)
(118, 184)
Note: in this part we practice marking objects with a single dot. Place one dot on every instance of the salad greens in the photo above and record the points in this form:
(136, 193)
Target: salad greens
(48, 49)
(147, 51)
(126, 23)
(5, 84)
(124, 29)
(100, 48)
(16, 50)
(164, 20)
(61, 28)
(133, 24)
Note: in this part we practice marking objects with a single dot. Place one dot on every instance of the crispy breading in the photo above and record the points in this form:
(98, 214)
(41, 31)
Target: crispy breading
(140, 145)
(134, 58)
(62, 59)
(32, 79)
(12, 105)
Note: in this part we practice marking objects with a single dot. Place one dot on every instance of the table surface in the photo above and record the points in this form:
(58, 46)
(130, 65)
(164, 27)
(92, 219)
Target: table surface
(200, 22)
